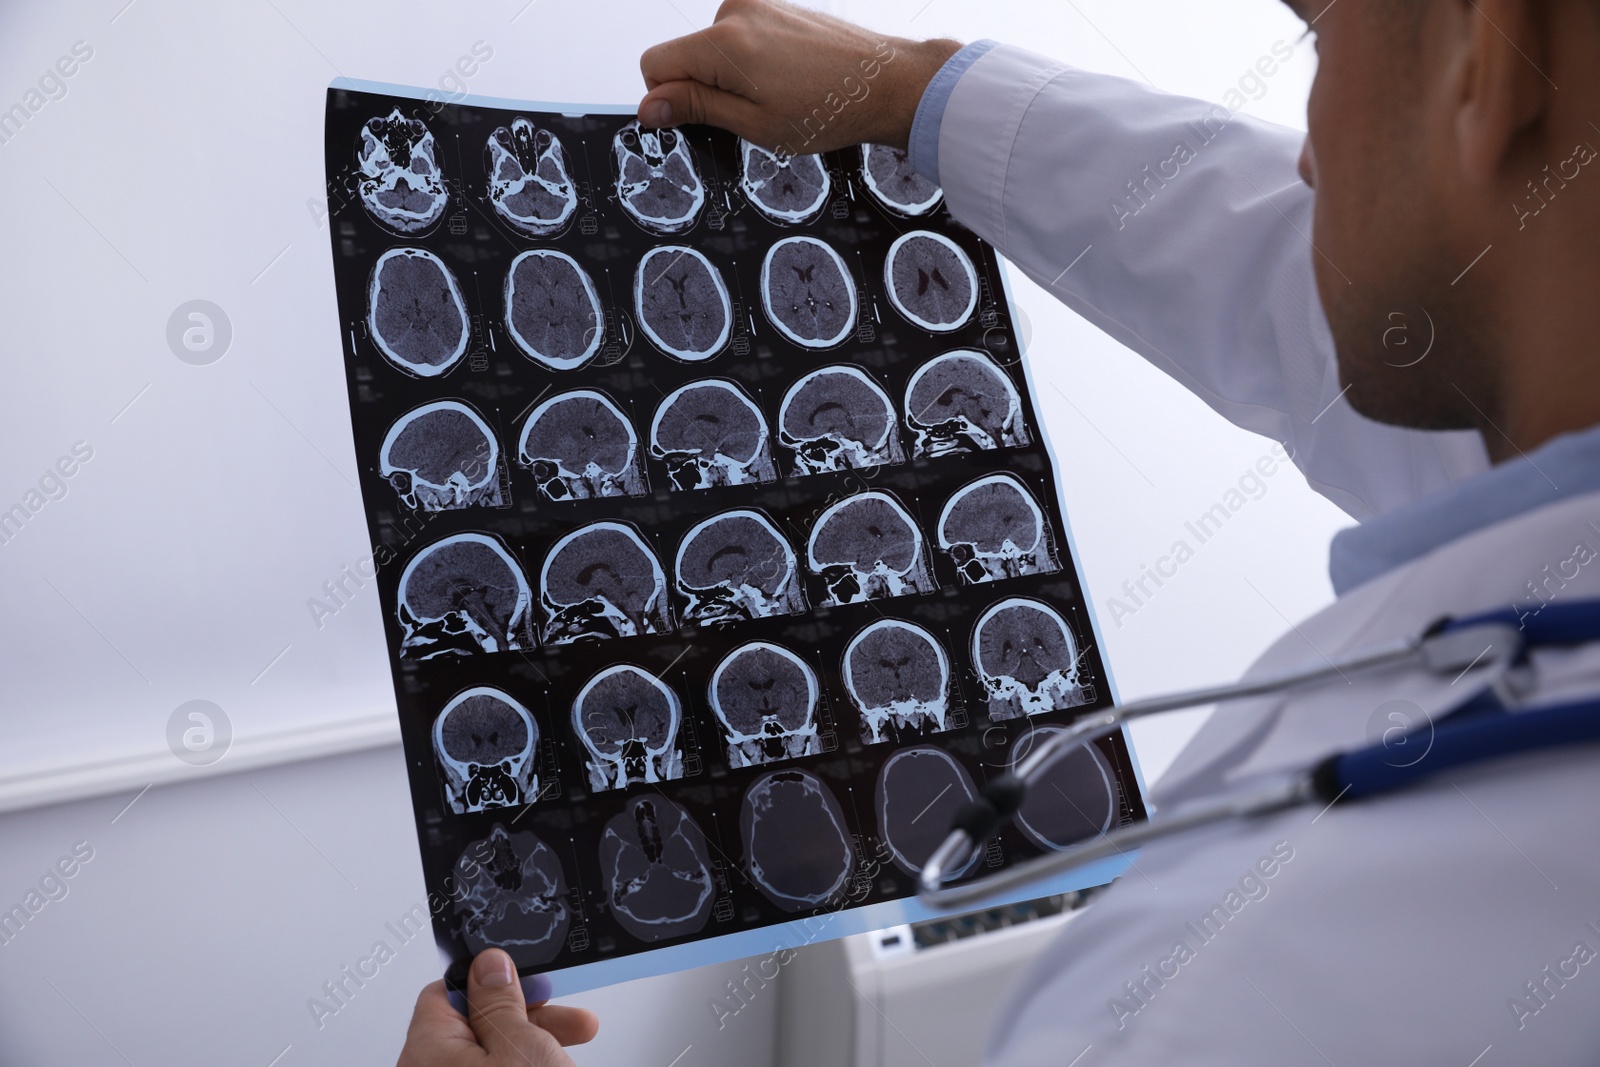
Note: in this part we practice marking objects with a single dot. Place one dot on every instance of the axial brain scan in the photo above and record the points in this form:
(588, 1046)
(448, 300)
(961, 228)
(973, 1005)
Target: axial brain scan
(657, 182)
(461, 596)
(711, 433)
(1072, 797)
(658, 876)
(552, 309)
(898, 677)
(919, 792)
(485, 743)
(579, 445)
(786, 189)
(866, 547)
(529, 184)
(514, 896)
(931, 281)
(888, 175)
(682, 303)
(415, 314)
(603, 581)
(838, 418)
(735, 567)
(808, 292)
(994, 529)
(628, 719)
(765, 697)
(1027, 658)
(962, 402)
(441, 457)
(399, 182)
(796, 845)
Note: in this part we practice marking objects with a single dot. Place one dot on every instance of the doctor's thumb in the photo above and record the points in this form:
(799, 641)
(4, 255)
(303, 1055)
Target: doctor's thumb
(499, 1016)
(678, 102)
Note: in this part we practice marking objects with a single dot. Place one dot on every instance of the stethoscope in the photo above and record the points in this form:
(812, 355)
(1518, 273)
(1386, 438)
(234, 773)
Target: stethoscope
(1484, 725)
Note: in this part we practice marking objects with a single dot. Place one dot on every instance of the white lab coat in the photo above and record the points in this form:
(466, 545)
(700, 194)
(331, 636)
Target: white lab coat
(1404, 931)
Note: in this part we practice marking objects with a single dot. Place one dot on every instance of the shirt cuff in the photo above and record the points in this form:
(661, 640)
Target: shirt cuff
(924, 147)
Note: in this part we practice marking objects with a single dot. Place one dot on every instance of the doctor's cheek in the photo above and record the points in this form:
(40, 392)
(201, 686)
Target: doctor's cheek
(1308, 167)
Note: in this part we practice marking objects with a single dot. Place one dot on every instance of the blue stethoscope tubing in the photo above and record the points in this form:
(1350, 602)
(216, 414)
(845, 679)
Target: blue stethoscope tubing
(1487, 724)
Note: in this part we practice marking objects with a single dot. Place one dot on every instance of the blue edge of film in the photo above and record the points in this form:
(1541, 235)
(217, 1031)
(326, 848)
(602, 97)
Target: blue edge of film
(826, 923)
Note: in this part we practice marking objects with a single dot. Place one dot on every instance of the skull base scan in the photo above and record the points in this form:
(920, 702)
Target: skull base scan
(514, 897)
(765, 698)
(993, 529)
(962, 402)
(657, 182)
(463, 595)
(485, 744)
(528, 181)
(602, 581)
(898, 677)
(1028, 660)
(785, 190)
(442, 457)
(796, 843)
(866, 548)
(658, 877)
(628, 719)
(709, 434)
(399, 181)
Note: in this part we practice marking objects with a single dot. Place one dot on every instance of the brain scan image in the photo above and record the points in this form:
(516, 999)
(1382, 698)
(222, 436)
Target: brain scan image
(710, 433)
(866, 547)
(462, 596)
(786, 189)
(898, 677)
(682, 303)
(579, 445)
(931, 281)
(485, 743)
(994, 529)
(658, 875)
(552, 310)
(808, 292)
(797, 847)
(765, 697)
(919, 792)
(441, 457)
(628, 720)
(962, 402)
(514, 896)
(888, 175)
(1073, 797)
(836, 419)
(399, 181)
(603, 581)
(735, 567)
(415, 313)
(1027, 658)
(657, 182)
(529, 184)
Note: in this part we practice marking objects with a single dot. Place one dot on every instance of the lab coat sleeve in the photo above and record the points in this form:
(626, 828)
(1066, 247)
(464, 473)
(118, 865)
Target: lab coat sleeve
(1184, 232)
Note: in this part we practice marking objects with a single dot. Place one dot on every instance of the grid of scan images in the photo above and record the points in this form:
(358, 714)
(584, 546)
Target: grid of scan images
(720, 556)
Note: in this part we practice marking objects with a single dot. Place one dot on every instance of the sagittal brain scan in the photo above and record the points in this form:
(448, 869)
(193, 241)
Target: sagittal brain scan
(580, 445)
(898, 677)
(513, 896)
(866, 547)
(796, 842)
(735, 567)
(1074, 797)
(627, 720)
(603, 581)
(808, 293)
(786, 189)
(415, 313)
(931, 281)
(710, 433)
(993, 528)
(682, 303)
(552, 310)
(657, 182)
(887, 173)
(765, 698)
(486, 742)
(1027, 658)
(657, 872)
(529, 184)
(461, 596)
(920, 791)
(962, 402)
(399, 181)
(838, 418)
(440, 457)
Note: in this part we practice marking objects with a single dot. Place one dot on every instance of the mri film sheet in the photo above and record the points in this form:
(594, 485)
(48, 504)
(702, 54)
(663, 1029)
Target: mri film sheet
(718, 545)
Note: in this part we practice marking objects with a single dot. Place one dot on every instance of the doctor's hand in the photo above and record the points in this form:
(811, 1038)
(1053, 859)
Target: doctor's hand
(500, 1030)
(791, 79)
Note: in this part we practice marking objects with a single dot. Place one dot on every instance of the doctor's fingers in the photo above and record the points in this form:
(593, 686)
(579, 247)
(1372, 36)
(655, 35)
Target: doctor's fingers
(500, 1018)
(570, 1026)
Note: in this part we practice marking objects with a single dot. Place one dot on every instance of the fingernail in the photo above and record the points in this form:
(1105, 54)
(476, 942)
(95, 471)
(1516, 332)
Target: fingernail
(495, 969)
(658, 113)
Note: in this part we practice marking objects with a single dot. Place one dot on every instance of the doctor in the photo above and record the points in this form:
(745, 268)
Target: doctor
(1413, 308)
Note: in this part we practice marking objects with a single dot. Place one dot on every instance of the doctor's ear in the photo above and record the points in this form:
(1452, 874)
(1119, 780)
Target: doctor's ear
(1496, 62)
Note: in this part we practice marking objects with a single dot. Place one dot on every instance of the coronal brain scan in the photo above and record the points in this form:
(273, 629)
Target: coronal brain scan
(797, 844)
(888, 175)
(838, 418)
(603, 581)
(710, 433)
(486, 742)
(461, 596)
(930, 281)
(682, 303)
(1073, 798)
(552, 310)
(657, 182)
(513, 896)
(1027, 658)
(786, 189)
(658, 877)
(440, 457)
(399, 181)
(866, 547)
(580, 445)
(808, 292)
(529, 184)
(735, 567)
(627, 720)
(415, 314)
(919, 792)
(962, 402)
(765, 698)
(898, 677)
(993, 528)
